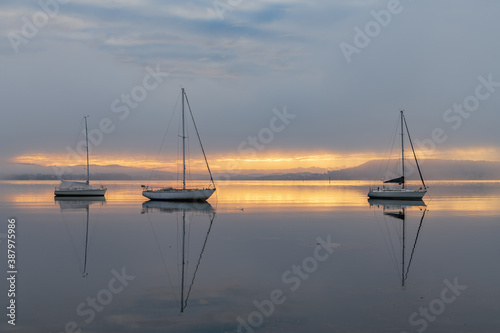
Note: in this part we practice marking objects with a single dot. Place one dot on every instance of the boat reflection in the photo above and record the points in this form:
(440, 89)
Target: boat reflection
(397, 209)
(176, 206)
(185, 214)
(79, 204)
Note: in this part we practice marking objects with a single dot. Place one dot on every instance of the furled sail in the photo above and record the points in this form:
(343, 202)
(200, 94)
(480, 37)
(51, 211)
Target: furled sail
(399, 180)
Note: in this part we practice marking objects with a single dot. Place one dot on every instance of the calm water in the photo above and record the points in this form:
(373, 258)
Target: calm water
(261, 257)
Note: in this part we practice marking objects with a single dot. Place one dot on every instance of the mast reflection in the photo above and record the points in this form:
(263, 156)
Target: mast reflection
(397, 209)
(184, 212)
(79, 204)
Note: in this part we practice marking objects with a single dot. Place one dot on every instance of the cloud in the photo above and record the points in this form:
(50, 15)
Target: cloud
(261, 55)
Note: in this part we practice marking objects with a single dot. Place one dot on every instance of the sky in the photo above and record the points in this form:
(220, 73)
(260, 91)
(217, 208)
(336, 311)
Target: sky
(274, 85)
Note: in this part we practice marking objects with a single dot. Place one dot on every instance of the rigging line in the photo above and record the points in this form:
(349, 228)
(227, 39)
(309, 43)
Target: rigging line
(201, 145)
(392, 246)
(399, 230)
(183, 258)
(199, 259)
(388, 152)
(75, 251)
(188, 242)
(415, 244)
(84, 273)
(163, 140)
(78, 132)
(82, 260)
(188, 156)
(163, 259)
(394, 258)
(92, 232)
(414, 154)
(391, 154)
(75, 144)
(178, 247)
(94, 226)
(75, 141)
(87, 242)
(97, 167)
(385, 238)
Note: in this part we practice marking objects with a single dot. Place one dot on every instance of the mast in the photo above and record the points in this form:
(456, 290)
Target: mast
(402, 150)
(183, 145)
(87, 145)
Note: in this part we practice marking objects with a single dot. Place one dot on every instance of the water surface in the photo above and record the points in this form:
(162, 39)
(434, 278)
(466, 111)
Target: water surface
(268, 256)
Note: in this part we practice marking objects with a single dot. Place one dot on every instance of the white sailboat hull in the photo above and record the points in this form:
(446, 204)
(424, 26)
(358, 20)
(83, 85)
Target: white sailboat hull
(179, 194)
(78, 189)
(397, 193)
(82, 193)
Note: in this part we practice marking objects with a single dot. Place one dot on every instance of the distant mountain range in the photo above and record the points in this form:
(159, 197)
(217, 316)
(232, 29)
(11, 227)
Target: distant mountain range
(372, 170)
(431, 169)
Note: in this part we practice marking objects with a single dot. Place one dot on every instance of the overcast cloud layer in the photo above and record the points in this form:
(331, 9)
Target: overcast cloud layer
(239, 60)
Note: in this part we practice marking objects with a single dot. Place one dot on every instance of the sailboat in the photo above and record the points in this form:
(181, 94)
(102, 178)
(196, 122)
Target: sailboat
(184, 193)
(397, 209)
(401, 191)
(66, 188)
(195, 208)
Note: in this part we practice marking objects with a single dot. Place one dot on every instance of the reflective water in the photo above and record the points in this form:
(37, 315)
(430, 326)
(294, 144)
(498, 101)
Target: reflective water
(261, 257)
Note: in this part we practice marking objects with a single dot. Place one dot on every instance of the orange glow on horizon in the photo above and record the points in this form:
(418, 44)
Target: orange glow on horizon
(491, 154)
(277, 162)
(264, 162)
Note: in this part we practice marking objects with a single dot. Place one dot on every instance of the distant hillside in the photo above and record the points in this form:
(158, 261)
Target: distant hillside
(111, 172)
(372, 170)
(431, 170)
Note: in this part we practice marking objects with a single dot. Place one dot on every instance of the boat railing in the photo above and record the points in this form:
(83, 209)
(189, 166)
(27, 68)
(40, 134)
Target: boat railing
(387, 188)
(170, 188)
(58, 187)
